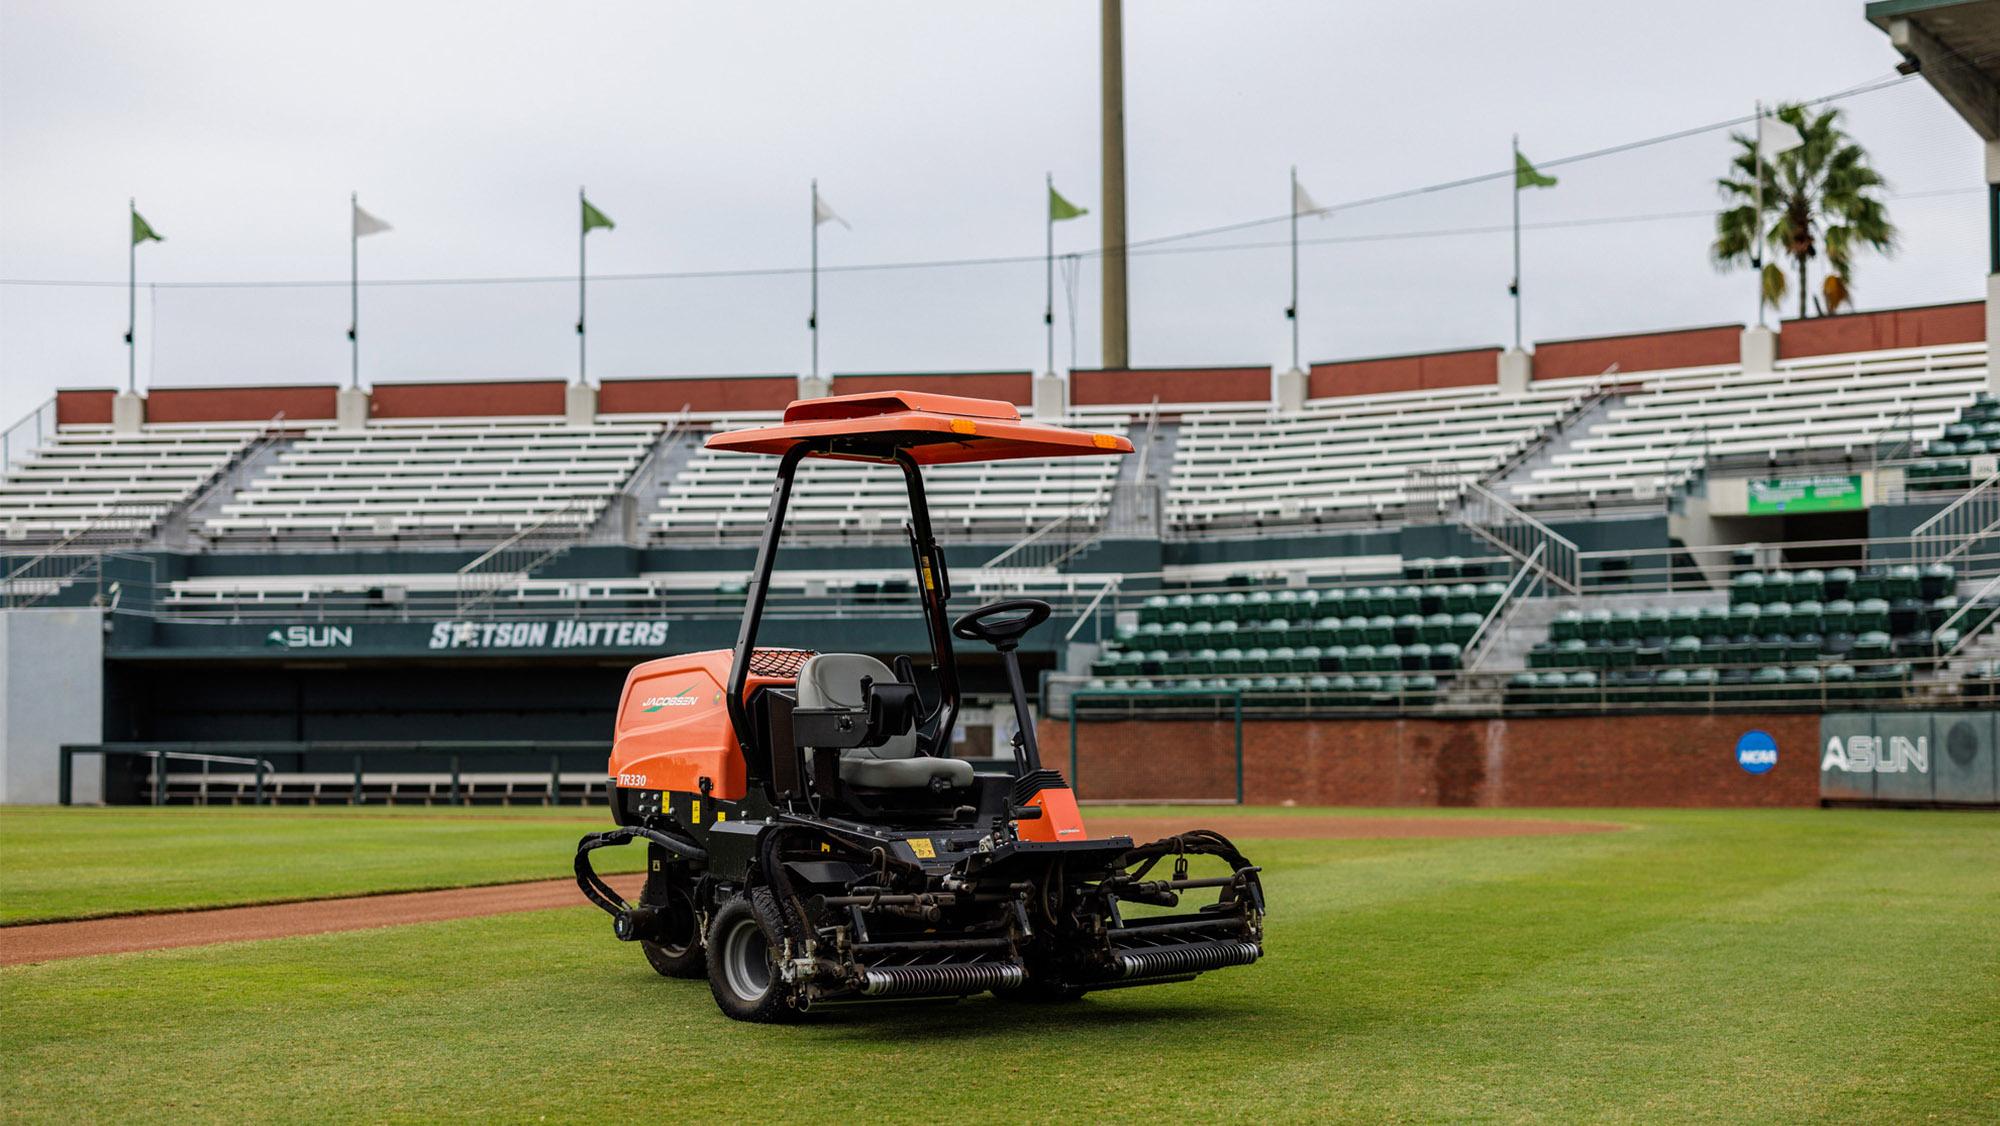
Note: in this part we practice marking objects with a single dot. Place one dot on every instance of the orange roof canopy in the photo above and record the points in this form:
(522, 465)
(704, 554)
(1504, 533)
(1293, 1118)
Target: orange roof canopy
(934, 429)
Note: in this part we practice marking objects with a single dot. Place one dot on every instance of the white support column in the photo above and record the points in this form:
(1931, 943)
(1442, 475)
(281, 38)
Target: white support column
(1760, 349)
(350, 408)
(1051, 397)
(1993, 265)
(815, 386)
(128, 412)
(1517, 370)
(580, 404)
(1288, 389)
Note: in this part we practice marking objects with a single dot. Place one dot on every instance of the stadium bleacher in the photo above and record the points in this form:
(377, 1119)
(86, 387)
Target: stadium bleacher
(1677, 422)
(1346, 458)
(84, 475)
(1967, 452)
(723, 494)
(437, 477)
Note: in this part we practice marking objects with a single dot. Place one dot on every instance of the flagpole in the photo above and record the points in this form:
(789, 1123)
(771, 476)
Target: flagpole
(1757, 226)
(131, 299)
(1049, 271)
(812, 322)
(582, 238)
(353, 291)
(1515, 288)
(1292, 311)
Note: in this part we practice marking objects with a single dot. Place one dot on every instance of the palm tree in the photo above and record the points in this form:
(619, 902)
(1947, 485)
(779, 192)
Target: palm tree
(1820, 194)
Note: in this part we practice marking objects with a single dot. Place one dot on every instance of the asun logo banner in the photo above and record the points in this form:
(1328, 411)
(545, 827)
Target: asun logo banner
(1866, 754)
(548, 635)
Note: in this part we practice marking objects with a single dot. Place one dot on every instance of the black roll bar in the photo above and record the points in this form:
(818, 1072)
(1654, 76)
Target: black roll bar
(933, 588)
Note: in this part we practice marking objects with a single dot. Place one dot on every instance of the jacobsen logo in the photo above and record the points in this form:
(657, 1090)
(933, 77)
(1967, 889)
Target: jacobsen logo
(1865, 754)
(1757, 752)
(683, 700)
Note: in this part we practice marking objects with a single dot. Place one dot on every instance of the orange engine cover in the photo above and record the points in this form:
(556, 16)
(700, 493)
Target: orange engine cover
(673, 728)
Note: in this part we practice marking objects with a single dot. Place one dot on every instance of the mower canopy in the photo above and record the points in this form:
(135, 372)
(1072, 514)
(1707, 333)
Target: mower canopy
(933, 429)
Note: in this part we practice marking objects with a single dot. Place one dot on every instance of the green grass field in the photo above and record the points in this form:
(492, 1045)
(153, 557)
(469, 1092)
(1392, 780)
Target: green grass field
(1782, 965)
(75, 863)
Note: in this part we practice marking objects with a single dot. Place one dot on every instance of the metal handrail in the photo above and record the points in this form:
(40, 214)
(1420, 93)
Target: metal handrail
(517, 562)
(1477, 646)
(1980, 598)
(1090, 608)
(1561, 566)
(1971, 518)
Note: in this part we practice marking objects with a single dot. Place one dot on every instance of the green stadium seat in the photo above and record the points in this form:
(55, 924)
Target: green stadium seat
(1803, 648)
(1154, 609)
(1684, 651)
(1839, 582)
(1747, 589)
(1745, 617)
(1776, 618)
(1808, 617)
(1572, 654)
(1388, 658)
(1461, 598)
(1416, 657)
(1940, 611)
(1701, 685)
(1445, 656)
(1353, 630)
(1381, 630)
(1436, 629)
(1407, 629)
(1463, 626)
(1333, 658)
(1871, 614)
(1871, 645)
(1670, 685)
(1777, 586)
(1809, 585)
(1567, 625)
(1866, 584)
(1360, 658)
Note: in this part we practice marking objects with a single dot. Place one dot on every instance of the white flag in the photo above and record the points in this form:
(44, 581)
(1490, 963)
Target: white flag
(824, 214)
(1775, 136)
(366, 224)
(1303, 203)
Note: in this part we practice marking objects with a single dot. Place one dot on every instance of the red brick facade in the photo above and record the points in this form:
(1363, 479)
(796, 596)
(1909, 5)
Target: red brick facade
(238, 404)
(466, 400)
(1890, 328)
(1096, 386)
(1470, 368)
(1627, 760)
(91, 406)
(1017, 387)
(1643, 351)
(665, 396)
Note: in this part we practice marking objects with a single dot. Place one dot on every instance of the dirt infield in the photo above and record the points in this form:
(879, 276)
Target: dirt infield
(43, 942)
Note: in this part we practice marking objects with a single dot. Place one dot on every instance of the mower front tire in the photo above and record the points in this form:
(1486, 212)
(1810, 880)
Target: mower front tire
(744, 941)
(678, 951)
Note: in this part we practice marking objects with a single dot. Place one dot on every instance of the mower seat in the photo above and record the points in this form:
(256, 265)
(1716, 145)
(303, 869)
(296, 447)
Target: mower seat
(833, 680)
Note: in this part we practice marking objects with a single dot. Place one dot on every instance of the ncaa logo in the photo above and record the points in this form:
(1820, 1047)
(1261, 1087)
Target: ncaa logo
(1756, 752)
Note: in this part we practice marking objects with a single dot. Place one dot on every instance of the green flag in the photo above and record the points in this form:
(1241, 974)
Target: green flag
(142, 231)
(1060, 208)
(1525, 175)
(593, 218)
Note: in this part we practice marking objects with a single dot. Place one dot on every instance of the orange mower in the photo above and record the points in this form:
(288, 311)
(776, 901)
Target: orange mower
(810, 840)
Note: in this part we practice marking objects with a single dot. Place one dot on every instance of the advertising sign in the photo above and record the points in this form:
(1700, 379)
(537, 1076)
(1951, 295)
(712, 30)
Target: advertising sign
(1789, 496)
(1946, 757)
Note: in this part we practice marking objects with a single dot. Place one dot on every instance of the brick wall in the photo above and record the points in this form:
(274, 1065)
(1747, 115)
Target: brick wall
(1624, 760)
(1643, 351)
(1015, 387)
(238, 404)
(1469, 368)
(664, 396)
(1092, 386)
(1890, 328)
(466, 400)
(91, 406)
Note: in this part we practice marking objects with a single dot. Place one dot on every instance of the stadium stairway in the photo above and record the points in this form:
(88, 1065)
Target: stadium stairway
(176, 531)
(1558, 438)
(624, 519)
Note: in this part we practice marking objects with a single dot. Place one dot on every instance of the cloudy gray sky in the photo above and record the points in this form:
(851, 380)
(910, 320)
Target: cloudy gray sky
(241, 127)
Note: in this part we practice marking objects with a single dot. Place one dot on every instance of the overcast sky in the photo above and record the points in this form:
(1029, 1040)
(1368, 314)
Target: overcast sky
(241, 128)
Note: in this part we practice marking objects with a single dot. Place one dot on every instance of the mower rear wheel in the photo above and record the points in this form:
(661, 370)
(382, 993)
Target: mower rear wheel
(678, 953)
(743, 945)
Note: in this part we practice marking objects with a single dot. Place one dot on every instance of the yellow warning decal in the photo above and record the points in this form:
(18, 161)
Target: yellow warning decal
(922, 847)
(721, 815)
(694, 810)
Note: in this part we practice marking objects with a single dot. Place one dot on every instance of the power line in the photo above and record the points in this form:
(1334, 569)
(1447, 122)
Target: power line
(1143, 246)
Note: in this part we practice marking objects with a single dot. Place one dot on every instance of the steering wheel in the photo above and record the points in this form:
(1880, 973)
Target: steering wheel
(1001, 624)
